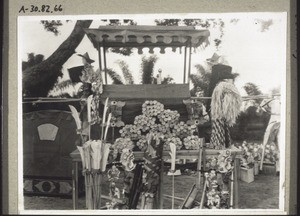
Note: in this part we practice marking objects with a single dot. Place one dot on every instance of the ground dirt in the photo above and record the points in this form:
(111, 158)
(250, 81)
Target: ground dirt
(263, 193)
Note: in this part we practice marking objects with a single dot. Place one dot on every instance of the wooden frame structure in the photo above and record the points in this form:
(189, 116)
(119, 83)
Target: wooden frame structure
(140, 37)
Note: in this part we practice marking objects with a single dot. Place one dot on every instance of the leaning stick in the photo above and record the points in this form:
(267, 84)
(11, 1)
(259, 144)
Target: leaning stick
(203, 194)
(107, 126)
(231, 190)
(103, 118)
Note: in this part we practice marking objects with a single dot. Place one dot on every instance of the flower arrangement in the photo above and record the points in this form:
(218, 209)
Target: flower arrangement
(222, 163)
(251, 153)
(162, 123)
(271, 153)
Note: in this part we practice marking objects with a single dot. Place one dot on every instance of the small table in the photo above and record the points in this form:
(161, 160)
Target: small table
(138, 155)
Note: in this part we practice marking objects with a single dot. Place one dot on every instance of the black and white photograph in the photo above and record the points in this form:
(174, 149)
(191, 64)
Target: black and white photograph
(152, 113)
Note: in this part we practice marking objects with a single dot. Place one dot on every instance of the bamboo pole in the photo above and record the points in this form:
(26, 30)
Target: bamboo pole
(190, 61)
(184, 64)
(99, 56)
(203, 194)
(104, 59)
(236, 183)
(198, 183)
(231, 190)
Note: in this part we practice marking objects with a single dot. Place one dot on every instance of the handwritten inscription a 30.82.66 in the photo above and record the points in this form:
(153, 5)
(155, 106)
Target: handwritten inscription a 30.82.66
(41, 9)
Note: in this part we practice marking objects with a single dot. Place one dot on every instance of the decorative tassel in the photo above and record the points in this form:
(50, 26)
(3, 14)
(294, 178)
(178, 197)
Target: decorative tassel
(226, 103)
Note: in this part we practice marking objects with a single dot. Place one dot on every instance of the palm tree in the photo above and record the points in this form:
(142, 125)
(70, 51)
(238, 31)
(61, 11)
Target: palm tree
(200, 81)
(147, 69)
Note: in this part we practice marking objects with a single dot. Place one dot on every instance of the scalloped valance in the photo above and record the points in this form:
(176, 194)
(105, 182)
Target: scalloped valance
(147, 36)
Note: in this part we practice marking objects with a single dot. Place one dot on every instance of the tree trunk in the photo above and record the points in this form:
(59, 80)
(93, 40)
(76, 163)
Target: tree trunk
(40, 79)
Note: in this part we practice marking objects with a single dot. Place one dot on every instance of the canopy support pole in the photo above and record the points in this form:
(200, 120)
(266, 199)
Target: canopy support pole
(190, 61)
(184, 66)
(105, 69)
(99, 56)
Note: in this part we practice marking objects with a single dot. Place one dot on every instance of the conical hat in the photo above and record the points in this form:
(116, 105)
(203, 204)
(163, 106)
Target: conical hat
(87, 57)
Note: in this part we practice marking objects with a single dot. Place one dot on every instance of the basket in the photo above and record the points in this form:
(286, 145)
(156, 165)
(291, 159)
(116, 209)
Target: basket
(247, 174)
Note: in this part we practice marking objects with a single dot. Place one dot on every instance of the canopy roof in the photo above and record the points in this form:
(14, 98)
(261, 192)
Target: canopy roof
(146, 36)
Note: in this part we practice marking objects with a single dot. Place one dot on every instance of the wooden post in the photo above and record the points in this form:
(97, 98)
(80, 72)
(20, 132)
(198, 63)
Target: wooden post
(184, 69)
(262, 157)
(75, 184)
(104, 58)
(190, 61)
(199, 170)
(236, 182)
(99, 56)
(100, 61)
(203, 193)
(161, 182)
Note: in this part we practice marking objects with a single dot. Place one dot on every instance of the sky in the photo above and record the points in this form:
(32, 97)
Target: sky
(254, 46)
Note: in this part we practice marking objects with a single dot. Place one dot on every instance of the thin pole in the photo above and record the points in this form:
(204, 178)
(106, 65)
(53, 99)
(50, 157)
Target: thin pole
(104, 56)
(173, 189)
(100, 61)
(99, 55)
(184, 68)
(190, 61)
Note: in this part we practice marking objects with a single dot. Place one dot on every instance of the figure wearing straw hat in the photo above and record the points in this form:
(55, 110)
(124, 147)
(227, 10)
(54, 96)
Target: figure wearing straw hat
(224, 106)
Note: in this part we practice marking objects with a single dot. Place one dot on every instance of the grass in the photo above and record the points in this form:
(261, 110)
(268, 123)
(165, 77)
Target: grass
(263, 193)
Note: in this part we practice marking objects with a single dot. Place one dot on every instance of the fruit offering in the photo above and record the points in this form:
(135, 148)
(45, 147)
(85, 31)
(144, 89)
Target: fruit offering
(123, 143)
(152, 108)
(182, 130)
(130, 131)
(142, 143)
(169, 117)
(191, 142)
(174, 140)
(144, 122)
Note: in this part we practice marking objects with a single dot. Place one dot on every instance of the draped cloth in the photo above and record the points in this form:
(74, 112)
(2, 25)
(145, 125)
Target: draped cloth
(220, 136)
(225, 107)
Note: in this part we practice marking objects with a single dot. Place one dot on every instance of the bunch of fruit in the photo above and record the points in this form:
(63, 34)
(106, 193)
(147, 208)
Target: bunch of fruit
(122, 143)
(175, 140)
(152, 108)
(144, 122)
(142, 143)
(160, 128)
(130, 131)
(163, 124)
(191, 142)
(182, 130)
(169, 117)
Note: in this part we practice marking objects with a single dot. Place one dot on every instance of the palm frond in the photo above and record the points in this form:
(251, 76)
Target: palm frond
(200, 69)
(147, 67)
(65, 88)
(127, 74)
(116, 78)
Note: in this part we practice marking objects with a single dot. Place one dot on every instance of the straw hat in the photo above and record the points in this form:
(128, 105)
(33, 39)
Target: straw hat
(87, 57)
(214, 59)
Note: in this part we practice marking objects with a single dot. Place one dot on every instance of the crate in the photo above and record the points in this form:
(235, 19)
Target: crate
(246, 174)
(269, 169)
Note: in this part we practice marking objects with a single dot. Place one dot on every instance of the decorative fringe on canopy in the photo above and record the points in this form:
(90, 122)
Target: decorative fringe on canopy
(226, 103)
